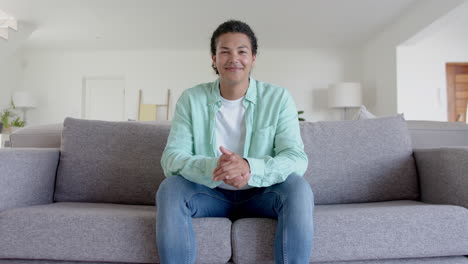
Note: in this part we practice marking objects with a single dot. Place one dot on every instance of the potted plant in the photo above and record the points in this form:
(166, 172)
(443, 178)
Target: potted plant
(300, 112)
(5, 116)
(9, 119)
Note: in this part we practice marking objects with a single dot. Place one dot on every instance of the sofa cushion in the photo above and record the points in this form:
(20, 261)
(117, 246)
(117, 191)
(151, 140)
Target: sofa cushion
(27, 176)
(100, 232)
(434, 260)
(437, 134)
(382, 230)
(360, 161)
(113, 162)
(431, 260)
(38, 136)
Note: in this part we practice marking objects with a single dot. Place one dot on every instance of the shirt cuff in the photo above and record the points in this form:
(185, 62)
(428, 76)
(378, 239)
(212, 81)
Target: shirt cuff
(257, 171)
(210, 165)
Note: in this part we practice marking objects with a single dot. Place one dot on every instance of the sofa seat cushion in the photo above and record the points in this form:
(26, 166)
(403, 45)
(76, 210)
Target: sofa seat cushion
(360, 161)
(100, 232)
(382, 230)
(434, 260)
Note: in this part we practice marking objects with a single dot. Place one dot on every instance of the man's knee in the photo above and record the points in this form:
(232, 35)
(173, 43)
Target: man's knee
(171, 188)
(297, 187)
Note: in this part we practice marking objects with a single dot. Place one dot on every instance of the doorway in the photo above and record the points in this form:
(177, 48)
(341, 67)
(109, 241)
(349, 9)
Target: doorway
(104, 98)
(457, 91)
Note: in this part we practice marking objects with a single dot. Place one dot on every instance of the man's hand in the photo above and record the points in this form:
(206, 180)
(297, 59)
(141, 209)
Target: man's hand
(232, 169)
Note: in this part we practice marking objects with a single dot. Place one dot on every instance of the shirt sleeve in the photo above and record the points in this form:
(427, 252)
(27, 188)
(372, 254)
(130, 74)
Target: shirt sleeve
(289, 158)
(178, 157)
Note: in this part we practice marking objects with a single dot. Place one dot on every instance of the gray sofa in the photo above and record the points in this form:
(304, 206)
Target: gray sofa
(379, 199)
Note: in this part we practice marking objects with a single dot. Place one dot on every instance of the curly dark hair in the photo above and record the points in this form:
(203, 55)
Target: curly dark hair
(233, 26)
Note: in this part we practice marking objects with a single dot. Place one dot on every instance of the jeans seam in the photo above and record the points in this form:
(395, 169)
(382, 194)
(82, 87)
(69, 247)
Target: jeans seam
(187, 252)
(285, 255)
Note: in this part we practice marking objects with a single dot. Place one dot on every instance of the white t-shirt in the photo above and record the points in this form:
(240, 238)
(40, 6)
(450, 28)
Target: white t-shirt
(230, 131)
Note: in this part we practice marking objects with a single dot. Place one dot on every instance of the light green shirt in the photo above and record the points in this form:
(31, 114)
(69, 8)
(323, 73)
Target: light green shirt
(273, 145)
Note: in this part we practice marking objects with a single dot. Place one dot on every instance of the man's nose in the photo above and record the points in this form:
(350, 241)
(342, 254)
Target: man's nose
(233, 57)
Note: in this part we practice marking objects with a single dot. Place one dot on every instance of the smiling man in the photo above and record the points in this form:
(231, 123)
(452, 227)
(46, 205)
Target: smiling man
(235, 151)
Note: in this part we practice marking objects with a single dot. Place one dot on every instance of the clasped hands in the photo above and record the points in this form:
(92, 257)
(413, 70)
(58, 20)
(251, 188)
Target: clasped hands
(232, 169)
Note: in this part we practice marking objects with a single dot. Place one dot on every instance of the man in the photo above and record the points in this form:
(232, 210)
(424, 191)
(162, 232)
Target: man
(234, 150)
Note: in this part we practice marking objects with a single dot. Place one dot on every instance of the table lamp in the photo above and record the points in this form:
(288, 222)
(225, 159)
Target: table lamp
(24, 101)
(345, 95)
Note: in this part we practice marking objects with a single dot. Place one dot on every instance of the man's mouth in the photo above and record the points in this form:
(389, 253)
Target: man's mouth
(233, 69)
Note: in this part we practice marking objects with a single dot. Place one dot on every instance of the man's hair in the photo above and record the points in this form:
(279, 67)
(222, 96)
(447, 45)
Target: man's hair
(233, 26)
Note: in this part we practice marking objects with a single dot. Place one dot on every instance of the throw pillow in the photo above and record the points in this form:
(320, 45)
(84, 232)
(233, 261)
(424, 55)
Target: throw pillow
(363, 113)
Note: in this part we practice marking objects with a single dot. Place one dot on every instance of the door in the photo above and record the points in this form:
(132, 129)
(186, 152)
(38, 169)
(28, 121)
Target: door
(104, 98)
(457, 91)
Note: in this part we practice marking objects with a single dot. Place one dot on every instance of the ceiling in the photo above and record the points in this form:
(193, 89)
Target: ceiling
(141, 24)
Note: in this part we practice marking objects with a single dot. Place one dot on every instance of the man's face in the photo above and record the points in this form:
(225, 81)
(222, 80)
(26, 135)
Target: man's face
(234, 59)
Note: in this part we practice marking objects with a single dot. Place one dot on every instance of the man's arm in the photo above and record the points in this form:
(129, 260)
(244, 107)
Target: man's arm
(178, 157)
(288, 148)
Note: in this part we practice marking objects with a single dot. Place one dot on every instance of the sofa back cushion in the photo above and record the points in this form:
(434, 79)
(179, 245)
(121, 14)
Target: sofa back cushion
(110, 162)
(349, 161)
(360, 161)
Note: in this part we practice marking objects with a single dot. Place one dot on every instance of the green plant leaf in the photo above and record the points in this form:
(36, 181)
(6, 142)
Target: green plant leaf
(7, 114)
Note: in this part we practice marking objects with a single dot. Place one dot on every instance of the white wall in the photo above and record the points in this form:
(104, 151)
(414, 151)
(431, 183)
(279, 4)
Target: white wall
(422, 86)
(380, 54)
(10, 78)
(5, 86)
(307, 74)
(55, 77)
(11, 67)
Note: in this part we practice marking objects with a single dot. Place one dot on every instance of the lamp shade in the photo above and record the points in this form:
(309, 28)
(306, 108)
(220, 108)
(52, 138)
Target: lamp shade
(24, 100)
(346, 94)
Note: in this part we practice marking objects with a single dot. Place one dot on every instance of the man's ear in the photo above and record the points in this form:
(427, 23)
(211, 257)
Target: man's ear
(254, 57)
(213, 59)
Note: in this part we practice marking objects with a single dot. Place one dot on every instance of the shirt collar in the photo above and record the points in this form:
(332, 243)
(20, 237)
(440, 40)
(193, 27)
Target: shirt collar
(251, 95)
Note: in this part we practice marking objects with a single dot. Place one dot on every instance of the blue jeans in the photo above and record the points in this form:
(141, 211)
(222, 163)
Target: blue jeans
(179, 200)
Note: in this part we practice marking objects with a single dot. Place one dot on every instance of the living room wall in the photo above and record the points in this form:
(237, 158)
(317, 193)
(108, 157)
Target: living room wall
(10, 78)
(55, 77)
(380, 53)
(10, 62)
(421, 67)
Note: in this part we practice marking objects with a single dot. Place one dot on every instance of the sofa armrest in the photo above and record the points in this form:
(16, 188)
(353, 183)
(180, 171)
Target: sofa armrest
(37, 136)
(443, 175)
(27, 176)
